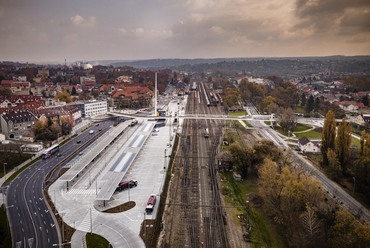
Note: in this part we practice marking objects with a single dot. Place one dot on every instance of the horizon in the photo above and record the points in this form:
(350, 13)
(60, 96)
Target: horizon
(200, 58)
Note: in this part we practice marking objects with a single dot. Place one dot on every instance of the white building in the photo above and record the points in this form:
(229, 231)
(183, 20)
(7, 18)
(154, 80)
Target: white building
(92, 108)
(306, 145)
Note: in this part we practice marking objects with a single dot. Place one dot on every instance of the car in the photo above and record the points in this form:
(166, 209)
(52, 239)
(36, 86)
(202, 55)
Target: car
(78, 141)
(81, 153)
(91, 131)
(97, 124)
(155, 130)
(154, 134)
(99, 129)
(59, 155)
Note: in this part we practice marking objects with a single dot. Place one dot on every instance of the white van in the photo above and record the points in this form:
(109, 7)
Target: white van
(91, 131)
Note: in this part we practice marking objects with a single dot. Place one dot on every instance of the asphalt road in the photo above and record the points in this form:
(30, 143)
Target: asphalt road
(31, 222)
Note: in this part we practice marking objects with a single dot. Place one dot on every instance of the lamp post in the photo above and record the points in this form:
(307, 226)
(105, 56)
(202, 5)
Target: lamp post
(247, 202)
(354, 184)
(164, 160)
(4, 164)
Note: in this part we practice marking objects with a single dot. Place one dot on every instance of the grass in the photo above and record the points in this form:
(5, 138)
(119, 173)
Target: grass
(355, 142)
(236, 114)
(96, 241)
(247, 123)
(264, 233)
(5, 238)
(12, 160)
(301, 128)
(314, 134)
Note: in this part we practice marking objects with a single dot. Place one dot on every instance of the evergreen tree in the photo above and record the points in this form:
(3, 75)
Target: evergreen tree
(74, 91)
(328, 136)
(303, 100)
(310, 104)
(316, 104)
(342, 143)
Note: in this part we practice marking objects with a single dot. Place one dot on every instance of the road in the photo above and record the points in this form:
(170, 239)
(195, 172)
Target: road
(31, 222)
(331, 187)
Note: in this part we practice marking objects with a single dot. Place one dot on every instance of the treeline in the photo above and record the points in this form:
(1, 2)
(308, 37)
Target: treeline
(357, 83)
(305, 214)
(336, 154)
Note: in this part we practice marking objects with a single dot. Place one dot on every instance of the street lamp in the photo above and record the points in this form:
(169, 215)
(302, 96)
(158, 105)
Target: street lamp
(4, 164)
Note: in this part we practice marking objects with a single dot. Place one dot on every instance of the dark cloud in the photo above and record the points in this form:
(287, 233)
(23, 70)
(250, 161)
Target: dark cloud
(326, 16)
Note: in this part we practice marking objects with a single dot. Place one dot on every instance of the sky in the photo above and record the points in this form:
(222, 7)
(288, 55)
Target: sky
(89, 30)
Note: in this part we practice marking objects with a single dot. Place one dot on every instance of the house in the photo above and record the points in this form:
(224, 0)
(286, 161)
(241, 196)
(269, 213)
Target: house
(57, 114)
(306, 145)
(18, 103)
(17, 125)
(224, 161)
(366, 118)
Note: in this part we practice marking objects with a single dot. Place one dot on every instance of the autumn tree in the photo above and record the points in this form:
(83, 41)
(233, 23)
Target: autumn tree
(334, 168)
(328, 136)
(286, 194)
(362, 167)
(63, 96)
(342, 143)
(287, 119)
(347, 231)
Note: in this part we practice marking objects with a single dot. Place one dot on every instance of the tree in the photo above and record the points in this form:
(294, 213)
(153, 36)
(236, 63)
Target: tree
(334, 168)
(64, 97)
(286, 194)
(342, 143)
(74, 91)
(240, 159)
(365, 100)
(328, 136)
(311, 224)
(5, 92)
(303, 100)
(316, 105)
(349, 232)
(310, 104)
(287, 119)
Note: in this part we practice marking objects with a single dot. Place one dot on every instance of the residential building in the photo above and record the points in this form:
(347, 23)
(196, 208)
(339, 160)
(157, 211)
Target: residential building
(17, 125)
(92, 108)
(306, 145)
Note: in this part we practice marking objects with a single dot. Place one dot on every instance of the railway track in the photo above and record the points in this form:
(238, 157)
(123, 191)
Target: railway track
(196, 217)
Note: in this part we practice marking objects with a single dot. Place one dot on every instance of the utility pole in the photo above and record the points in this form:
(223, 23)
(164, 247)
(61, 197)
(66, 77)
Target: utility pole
(4, 164)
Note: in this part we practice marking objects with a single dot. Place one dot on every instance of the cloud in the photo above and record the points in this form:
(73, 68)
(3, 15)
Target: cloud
(2, 11)
(332, 16)
(140, 32)
(79, 21)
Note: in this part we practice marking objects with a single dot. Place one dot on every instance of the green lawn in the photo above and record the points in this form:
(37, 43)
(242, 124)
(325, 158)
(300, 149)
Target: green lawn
(301, 128)
(96, 241)
(355, 142)
(312, 135)
(264, 233)
(247, 123)
(236, 114)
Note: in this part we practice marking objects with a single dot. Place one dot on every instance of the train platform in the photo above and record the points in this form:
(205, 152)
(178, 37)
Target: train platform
(81, 208)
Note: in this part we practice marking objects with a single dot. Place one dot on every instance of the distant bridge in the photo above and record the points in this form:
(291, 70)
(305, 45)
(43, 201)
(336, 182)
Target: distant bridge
(200, 117)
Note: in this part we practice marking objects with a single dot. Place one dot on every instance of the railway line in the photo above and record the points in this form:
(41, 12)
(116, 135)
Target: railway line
(197, 213)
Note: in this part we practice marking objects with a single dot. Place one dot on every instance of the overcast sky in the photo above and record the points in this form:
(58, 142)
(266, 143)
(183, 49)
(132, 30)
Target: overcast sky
(54, 30)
